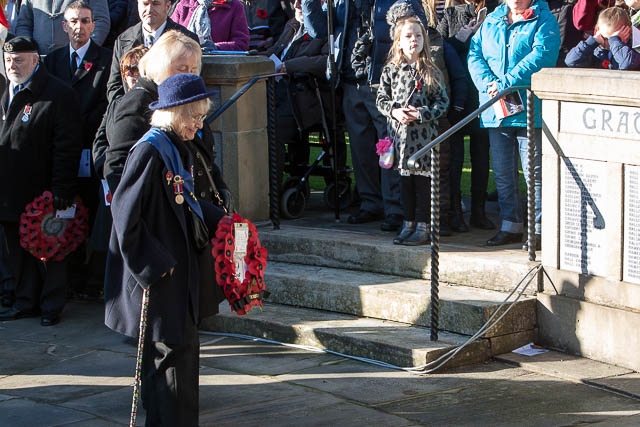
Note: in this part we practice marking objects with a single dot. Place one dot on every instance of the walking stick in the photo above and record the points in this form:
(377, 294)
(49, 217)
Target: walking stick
(143, 328)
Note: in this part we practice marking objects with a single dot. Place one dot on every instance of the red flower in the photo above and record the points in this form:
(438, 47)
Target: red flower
(527, 13)
(88, 66)
(262, 14)
(306, 37)
(606, 64)
(418, 84)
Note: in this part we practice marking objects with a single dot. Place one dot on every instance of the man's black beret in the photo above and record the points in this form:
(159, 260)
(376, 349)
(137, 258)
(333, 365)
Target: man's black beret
(20, 44)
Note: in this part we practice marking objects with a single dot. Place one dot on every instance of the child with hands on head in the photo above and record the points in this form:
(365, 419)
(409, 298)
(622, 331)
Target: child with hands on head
(412, 95)
(610, 47)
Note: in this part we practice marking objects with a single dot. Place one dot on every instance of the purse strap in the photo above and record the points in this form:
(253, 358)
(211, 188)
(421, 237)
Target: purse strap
(216, 193)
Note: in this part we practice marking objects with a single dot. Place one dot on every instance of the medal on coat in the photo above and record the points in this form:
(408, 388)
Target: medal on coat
(27, 113)
(169, 177)
(178, 189)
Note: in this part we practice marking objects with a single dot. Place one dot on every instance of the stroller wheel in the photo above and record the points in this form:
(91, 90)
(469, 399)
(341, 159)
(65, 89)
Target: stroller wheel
(292, 203)
(294, 182)
(344, 194)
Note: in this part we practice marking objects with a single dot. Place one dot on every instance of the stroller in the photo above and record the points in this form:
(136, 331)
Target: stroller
(309, 104)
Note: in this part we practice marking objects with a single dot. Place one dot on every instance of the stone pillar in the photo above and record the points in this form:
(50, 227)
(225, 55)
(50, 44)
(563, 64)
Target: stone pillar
(241, 131)
(591, 212)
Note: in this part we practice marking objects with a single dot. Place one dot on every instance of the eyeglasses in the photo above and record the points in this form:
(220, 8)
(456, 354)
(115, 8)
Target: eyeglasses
(199, 118)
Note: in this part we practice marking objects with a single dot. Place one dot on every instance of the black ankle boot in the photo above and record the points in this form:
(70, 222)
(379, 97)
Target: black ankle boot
(456, 221)
(408, 227)
(478, 216)
(419, 237)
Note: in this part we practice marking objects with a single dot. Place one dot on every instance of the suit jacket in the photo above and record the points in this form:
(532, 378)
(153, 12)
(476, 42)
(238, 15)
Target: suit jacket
(131, 38)
(89, 82)
(151, 235)
(39, 143)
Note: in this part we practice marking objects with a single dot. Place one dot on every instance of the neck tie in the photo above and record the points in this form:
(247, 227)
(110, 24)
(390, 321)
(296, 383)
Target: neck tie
(148, 40)
(74, 63)
(17, 88)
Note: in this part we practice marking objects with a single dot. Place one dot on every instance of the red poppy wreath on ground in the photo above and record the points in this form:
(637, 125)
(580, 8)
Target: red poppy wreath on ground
(49, 238)
(242, 295)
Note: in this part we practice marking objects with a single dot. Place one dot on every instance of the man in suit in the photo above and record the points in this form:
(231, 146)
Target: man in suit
(154, 21)
(39, 150)
(85, 66)
(42, 19)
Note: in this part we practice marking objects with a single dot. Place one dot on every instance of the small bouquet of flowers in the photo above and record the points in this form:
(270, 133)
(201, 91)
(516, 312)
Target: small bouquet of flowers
(385, 149)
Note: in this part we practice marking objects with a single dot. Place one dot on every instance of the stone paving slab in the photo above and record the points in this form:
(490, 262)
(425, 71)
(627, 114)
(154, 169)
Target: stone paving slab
(249, 383)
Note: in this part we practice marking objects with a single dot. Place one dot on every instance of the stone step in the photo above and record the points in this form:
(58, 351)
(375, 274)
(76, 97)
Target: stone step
(463, 310)
(340, 245)
(395, 343)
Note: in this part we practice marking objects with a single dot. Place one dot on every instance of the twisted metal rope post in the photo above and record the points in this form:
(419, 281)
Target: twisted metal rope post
(531, 189)
(144, 309)
(435, 241)
(275, 172)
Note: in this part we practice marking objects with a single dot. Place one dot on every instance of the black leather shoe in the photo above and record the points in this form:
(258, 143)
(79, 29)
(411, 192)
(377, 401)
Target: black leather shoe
(392, 223)
(364, 217)
(408, 227)
(15, 314)
(49, 320)
(504, 238)
(538, 238)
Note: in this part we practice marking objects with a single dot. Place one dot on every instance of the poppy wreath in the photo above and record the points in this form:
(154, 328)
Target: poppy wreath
(49, 238)
(242, 296)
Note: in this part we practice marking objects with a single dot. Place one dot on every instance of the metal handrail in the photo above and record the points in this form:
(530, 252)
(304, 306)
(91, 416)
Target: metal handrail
(432, 149)
(413, 161)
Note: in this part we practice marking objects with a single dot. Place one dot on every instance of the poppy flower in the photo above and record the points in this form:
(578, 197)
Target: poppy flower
(528, 13)
(306, 37)
(262, 14)
(88, 66)
(606, 64)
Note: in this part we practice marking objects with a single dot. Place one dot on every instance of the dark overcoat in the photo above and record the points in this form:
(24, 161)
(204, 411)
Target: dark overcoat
(39, 143)
(151, 235)
(129, 39)
(89, 81)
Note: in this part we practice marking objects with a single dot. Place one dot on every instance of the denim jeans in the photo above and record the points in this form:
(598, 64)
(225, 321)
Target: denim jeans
(506, 143)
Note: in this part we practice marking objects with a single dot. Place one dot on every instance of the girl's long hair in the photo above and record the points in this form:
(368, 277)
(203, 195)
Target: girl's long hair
(425, 67)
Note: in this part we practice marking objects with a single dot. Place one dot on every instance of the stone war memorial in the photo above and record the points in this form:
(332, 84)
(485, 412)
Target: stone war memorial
(591, 213)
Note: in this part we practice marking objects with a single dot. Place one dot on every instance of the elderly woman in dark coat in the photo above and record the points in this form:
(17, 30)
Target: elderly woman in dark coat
(160, 243)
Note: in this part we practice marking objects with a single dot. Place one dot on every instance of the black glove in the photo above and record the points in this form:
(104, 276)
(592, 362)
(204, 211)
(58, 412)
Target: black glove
(227, 200)
(61, 203)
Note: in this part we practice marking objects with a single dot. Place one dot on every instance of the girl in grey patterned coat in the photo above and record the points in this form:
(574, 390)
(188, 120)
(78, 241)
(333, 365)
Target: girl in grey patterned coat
(412, 95)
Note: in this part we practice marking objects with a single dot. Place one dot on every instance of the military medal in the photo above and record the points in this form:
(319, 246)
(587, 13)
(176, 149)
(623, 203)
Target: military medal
(27, 113)
(178, 189)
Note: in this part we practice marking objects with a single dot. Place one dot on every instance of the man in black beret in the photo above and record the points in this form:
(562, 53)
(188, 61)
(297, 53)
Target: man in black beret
(40, 145)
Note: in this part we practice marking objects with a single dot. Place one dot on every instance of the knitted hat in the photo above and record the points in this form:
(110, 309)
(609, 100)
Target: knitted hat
(398, 10)
(180, 89)
(20, 44)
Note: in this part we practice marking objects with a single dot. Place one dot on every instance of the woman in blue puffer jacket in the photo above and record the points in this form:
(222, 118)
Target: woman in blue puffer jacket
(516, 40)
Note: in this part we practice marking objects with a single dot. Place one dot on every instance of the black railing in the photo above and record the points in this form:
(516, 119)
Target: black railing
(432, 149)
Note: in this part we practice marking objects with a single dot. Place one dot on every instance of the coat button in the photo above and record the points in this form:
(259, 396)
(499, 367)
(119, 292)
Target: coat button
(203, 195)
(200, 173)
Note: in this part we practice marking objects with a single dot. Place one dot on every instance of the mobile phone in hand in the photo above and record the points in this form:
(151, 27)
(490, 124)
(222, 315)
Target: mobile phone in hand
(482, 14)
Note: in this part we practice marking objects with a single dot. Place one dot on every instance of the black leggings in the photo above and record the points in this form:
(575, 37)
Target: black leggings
(416, 197)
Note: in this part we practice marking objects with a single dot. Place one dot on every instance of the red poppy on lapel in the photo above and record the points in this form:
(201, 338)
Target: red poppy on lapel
(527, 13)
(306, 37)
(262, 14)
(88, 66)
(606, 63)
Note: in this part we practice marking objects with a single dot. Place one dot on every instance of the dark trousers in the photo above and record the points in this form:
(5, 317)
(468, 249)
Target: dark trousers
(170, 380)
(479, 151)
(416, 197)
(41, 286)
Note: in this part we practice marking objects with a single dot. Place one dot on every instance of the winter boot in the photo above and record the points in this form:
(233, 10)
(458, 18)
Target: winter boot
(478, 216)
(419, 237)
(408, 227)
